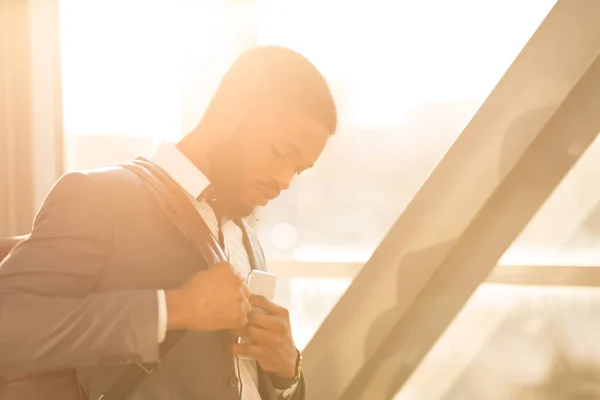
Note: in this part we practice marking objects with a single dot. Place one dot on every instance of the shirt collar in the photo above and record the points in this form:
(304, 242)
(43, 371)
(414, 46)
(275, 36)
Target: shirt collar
(180, 168)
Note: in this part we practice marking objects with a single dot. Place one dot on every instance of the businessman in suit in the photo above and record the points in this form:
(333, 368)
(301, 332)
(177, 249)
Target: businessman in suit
(105, 276)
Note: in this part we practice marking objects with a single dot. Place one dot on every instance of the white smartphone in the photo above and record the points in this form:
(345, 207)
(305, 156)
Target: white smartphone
(263, 284)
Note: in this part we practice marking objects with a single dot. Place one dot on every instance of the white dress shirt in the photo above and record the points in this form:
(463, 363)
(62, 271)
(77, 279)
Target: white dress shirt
(193, 181)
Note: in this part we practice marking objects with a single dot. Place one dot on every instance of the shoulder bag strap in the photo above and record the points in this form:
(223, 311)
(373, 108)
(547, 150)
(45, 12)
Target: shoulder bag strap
(195, 229)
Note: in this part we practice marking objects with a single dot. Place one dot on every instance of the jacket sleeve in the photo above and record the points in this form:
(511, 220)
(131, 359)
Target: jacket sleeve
(50, 315)
(6, 245)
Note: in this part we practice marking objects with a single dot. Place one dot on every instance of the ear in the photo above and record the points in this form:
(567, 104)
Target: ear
(225, 122)
(235, 120)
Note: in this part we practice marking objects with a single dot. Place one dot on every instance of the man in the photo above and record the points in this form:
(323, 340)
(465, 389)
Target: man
(105, 275)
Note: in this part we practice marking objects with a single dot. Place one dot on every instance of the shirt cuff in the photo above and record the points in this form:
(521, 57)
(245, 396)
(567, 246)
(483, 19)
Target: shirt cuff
(287, 393)
(162, 315)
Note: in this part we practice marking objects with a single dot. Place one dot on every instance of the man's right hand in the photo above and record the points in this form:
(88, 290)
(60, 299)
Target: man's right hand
(211, 300)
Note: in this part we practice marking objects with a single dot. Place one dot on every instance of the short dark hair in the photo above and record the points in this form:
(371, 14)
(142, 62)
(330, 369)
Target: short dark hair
(271, 75)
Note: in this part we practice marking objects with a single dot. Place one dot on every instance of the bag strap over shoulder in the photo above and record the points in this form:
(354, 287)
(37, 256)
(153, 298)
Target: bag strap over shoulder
(195, 228)
(189, 221)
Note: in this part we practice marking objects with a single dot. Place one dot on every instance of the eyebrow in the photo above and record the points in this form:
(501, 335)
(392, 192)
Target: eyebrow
(296, 150)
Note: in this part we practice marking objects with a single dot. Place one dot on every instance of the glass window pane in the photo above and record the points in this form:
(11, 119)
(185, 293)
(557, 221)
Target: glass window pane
(309, 301)
(516, 343)
(407, 77)
(566, 229)
(135, 72)
(121, 73)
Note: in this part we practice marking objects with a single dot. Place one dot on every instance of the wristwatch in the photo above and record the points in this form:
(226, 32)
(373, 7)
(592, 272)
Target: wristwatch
(283, 384)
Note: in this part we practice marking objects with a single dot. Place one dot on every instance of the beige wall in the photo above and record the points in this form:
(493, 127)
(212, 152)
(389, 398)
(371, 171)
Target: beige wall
(30, 109)
(16, 181)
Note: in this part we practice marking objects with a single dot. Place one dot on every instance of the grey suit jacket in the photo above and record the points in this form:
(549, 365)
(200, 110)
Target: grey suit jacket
(80, 293)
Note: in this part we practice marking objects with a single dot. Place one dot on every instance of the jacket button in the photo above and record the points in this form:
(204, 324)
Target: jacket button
(234, 381)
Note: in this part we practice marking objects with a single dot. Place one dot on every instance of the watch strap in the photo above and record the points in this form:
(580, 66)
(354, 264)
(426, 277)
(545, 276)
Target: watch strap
(283, 384)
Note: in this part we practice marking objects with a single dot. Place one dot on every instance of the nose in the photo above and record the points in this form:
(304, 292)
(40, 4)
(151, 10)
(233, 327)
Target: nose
(282, 183)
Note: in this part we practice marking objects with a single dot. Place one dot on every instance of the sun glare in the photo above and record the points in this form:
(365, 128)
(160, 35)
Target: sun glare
(148, 68)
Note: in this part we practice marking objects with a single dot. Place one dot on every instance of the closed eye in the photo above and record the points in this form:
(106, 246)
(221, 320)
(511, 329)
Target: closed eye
(278, 153)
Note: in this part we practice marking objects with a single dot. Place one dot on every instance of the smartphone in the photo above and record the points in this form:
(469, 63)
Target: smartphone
(263, 284)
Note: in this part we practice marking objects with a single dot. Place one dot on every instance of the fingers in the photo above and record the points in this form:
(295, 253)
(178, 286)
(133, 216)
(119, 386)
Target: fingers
(258, 335)
(228, 269)
(269, 322)
(230, 274)
(268, 306)
(238, 323)
(246, 292)
(244, 309)
(225, 267)
(237, 332)
(249, 350)
(239, 308)
(247, 308)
